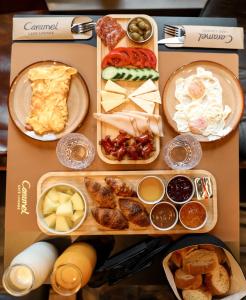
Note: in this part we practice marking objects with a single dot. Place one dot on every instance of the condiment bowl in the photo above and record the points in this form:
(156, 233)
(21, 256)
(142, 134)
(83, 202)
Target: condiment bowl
(189, 217)
(167, 204)
(129, 31)
(179, 188)
(63, 188)
(143, 181)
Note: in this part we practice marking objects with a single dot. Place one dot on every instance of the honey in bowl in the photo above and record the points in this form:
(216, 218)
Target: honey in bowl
(193, 215)
(151, 189)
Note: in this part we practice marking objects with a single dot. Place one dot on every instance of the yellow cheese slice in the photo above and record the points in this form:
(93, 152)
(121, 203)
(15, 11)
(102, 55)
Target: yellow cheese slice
(111, 104)
(147, 106)
(146, 87)
(152, 96)
(108, 96)
(114, 87)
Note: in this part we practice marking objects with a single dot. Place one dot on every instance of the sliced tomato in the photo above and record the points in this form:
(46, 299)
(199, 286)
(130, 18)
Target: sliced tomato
(151, 57)
(116, 59)
(136, 59)
(145, 58)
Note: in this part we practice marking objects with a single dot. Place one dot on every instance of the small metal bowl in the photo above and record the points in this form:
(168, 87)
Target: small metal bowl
(128, 31)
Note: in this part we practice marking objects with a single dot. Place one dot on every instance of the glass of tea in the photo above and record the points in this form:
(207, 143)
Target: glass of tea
(75, 151)
(184, 152)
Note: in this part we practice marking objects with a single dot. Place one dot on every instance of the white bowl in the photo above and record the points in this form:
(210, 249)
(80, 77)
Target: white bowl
(198, 227)
(192, 194)
(40, 216)
(155, 201)
(167, 228)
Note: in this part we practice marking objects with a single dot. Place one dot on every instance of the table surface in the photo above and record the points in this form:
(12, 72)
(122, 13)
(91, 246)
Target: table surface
(29, 159)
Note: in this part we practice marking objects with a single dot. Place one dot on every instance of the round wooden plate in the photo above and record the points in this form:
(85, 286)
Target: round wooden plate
(232, 94)
(20, 101)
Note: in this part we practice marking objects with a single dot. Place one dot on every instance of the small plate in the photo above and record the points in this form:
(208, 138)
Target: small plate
(232, 94)
(20, 101)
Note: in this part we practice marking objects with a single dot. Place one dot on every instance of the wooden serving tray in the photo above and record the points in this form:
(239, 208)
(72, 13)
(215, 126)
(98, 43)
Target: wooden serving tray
(91, 227)
(104, 129)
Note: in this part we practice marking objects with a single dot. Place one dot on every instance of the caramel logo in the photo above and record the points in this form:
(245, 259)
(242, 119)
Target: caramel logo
(227, 38)
(23, 190)
(41, 27)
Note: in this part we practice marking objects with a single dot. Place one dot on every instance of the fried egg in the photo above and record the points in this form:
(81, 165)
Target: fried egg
(200, 108)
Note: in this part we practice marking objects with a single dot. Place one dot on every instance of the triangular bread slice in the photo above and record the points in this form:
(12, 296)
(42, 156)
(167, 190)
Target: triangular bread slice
(119, 121)
(111, 86)
(146, 87)
(147, 106)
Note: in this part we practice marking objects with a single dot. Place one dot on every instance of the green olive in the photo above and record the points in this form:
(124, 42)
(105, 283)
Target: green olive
(141, 38)
(140, 31)
(142, 25)
(135, 36)
(147, 26)
(133, 28)
(139, 20)
(147, 34)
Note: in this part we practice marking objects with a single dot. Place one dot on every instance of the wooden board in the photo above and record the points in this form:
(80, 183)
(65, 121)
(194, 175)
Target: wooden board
(105, 129)
(91, 227)
(232, 94)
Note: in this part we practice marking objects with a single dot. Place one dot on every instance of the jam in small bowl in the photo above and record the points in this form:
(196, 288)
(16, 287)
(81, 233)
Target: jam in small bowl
(180, 189)
(193, 215)
(164, 216)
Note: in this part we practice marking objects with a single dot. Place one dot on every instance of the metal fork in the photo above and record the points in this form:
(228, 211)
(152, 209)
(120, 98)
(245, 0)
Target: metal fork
(83, 27)
(174, 30)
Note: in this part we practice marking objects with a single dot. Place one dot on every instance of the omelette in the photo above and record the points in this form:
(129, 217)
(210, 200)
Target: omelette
(50, 88)
(200, 108)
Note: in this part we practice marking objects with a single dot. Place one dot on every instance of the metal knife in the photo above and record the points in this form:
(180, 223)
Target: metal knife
(172, 40)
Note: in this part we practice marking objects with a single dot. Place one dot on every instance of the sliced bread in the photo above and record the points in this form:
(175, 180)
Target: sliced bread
(196, 295)
(187, 281)
(220, 252)
(218, 281)
(200, 261)
(178, 255)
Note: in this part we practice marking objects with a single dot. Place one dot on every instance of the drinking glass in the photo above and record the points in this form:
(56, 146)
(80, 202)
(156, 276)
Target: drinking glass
(75, 151)
(184, 152)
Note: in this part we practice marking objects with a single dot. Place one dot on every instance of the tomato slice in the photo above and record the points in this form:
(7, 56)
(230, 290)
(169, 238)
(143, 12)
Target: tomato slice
(136, 58)
(151, 57)
(116, 59)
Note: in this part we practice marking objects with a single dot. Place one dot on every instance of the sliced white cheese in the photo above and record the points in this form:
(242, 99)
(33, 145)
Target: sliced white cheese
(111, 104)
(147, 106)
(111, 86)
(152, 96)
(108, 96)
(146, 87)
(118, 121)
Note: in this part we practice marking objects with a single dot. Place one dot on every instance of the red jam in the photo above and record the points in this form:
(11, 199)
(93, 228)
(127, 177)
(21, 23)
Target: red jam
(180, 189)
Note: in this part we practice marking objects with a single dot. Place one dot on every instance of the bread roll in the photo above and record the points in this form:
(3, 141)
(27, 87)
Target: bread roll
(218, 281)
(196, 295)
(187, 281)
(220, 252)
(200, 261)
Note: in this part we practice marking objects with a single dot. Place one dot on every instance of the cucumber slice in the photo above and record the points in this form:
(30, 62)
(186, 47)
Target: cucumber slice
(120, 74)
(155, 76)
(127, 75)
(110, 73)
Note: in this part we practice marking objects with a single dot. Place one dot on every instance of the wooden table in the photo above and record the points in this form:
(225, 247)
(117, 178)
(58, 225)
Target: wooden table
(29, 159)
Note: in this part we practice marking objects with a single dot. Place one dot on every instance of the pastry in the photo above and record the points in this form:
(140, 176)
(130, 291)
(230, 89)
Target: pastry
(111, 218)
(120, 187)
(103, 195)
(50, 89)
(134, 211)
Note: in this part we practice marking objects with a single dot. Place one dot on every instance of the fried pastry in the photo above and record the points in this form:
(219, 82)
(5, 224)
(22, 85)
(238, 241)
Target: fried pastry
(111, 218)
(103, 195)
(50, 89)
(134, 211)
(120, 187)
